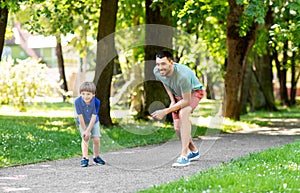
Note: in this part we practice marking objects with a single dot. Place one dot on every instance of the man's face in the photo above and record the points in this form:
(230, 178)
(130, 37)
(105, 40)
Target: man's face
(165, 66)
(87, 96)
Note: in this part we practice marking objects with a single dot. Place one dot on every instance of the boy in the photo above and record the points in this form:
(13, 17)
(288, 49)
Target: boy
(87, 107)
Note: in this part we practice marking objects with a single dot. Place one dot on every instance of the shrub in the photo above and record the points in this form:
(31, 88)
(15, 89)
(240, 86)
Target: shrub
(23, 81)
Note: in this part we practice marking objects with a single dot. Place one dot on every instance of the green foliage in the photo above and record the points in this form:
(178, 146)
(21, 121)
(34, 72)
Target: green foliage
(286, 25)
(274, 170)
(24, 81)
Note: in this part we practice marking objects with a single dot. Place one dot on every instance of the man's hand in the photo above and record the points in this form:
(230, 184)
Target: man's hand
(159, 114)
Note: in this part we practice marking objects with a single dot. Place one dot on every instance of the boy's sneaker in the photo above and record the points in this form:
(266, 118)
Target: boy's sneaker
(193, 156)
(181, 161)
(84, 162)
(98, 161)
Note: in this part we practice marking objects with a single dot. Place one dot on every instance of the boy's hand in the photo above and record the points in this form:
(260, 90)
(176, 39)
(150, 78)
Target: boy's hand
(86, 135)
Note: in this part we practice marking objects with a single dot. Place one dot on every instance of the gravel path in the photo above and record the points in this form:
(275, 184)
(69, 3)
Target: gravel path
(134, 169)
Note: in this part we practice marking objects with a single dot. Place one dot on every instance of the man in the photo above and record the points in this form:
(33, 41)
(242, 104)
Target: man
(185, 92)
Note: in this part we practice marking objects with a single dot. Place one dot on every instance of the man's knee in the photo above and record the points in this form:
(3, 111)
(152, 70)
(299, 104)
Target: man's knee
(185, 112)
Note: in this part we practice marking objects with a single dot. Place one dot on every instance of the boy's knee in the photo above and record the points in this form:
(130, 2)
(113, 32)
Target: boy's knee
(96, 139)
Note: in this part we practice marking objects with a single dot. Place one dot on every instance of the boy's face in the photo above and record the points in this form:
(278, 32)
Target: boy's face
(87, 96)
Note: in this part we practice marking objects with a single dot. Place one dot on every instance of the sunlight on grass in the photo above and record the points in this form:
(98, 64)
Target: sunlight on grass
(41, 110)
(30, 137)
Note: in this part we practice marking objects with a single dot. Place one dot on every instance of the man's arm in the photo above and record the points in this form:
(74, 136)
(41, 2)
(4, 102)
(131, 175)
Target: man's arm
(185, 101)
(171, 96)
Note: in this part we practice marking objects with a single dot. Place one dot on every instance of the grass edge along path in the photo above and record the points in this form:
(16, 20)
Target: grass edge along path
(274, 170)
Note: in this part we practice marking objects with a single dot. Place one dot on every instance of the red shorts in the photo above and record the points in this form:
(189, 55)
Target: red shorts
(197, 95)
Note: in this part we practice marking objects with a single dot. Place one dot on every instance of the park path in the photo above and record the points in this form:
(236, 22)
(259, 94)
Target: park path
(134, 169)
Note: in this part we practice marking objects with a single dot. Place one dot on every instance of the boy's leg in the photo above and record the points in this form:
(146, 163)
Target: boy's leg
(84, 145)
(84, 148)
(96, 146)
(95, 134)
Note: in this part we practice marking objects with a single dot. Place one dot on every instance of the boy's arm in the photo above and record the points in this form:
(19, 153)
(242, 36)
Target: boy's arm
(81, 122)
(91, 124)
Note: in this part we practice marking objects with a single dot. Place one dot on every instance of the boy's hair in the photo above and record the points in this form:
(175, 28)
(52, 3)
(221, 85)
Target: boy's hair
(87, 87)
(165, 53)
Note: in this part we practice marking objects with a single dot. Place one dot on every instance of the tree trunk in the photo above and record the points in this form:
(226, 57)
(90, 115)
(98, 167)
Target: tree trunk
(264, 76)
(264, 73)
(282, 74)
(258, 99)
(238, 50)
(106, 56)
(247, 96)
(158, 36)
(61, 67)
(294, 79)
(3, 24)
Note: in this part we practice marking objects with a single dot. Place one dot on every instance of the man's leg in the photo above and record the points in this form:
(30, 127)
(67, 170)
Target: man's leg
(177, 125)
(185, 130)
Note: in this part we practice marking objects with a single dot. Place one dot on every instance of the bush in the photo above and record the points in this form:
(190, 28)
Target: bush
(24, 81)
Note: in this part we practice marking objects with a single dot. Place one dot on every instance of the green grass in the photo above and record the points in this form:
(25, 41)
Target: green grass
(26, 139)
(261, 117)
(37, 137)
(273, 170)
(141, 134)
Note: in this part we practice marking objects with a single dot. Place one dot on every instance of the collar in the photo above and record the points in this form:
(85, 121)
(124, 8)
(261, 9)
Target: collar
(84, 104)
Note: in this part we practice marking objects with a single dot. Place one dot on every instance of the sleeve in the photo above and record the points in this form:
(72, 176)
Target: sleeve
(97, 106)
(77, 107)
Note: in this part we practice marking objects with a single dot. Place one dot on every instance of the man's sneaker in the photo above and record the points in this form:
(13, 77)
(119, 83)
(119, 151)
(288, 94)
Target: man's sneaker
(193, 156)
(99, 161)
(84, 162)
(181, 161)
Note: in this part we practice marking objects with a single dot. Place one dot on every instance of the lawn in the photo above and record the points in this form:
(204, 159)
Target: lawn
(47, 131)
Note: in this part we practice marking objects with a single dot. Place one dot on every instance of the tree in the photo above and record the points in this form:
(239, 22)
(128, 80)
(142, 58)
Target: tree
(53, 18)
(241, 30)
(7, 6)
(258, 87)
(3, 24)
(158, 36)
(284, 44)
(106, 57)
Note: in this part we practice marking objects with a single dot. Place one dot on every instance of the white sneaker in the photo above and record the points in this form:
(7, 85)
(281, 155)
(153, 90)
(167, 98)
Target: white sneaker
(181, 162)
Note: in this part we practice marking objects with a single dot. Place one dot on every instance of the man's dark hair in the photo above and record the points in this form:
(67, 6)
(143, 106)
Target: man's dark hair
(165, 53)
